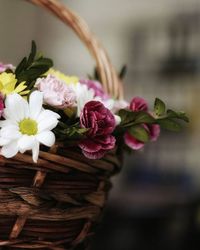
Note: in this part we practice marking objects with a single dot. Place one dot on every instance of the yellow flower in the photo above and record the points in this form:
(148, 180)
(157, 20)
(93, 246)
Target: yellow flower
(63, 77)
(8, 85)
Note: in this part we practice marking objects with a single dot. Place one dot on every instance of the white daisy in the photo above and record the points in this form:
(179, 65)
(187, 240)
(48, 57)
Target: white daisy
(26, 125)
(83, 95)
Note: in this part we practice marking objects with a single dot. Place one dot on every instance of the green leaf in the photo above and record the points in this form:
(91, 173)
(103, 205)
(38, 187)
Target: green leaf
(159, 107)
(21, 66)
(169, 124)
(140, 133)
(123, 72)
(178, 115)
(144, 117)
(127, 117)
(42, 62)
(29, 70)
(32, 54)
(32, 74)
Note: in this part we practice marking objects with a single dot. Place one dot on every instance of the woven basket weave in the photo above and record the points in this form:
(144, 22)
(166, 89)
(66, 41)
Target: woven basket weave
(56, 203)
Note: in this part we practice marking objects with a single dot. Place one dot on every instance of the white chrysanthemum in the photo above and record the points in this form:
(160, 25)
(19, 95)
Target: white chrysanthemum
(26, 125)
(83, 95)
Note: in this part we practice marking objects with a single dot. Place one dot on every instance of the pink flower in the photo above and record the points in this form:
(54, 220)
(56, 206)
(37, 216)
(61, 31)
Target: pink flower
(97, 87)
(1, 105)
(154, 131)
(100, 123)
(56, 93)
(97, 147)
(139, 104)
(132, 142)
(4, 67)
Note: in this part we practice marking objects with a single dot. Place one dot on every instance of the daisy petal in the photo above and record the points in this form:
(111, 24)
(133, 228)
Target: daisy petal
(47, 124)
(26, 143)
(47, 138)
(22, 86)
(10, 132)
(45, 114)
(16, 108)
(10, 149)
(35, 151)
(35, 104)
(4, 141)
(7, 123)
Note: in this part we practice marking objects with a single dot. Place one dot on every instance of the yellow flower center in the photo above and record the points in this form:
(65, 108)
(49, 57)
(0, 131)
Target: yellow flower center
(28, 127)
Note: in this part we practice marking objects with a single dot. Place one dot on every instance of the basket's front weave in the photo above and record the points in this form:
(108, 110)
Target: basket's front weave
(54, 204)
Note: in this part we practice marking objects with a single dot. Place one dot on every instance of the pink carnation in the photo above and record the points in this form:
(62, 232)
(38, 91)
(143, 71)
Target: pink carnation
(139, 104)
(100, 123)
(132, 142)
(4, 67)
(56, 93)
(97, 87)
(1, 105)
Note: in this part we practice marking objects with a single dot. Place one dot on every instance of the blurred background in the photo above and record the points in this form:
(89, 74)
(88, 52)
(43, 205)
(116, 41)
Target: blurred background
(155, 201)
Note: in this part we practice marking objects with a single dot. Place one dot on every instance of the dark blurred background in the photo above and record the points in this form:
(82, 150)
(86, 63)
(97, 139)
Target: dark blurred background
(155, 201)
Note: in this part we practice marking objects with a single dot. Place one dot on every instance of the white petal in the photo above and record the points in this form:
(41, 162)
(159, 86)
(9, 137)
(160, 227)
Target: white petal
(45, 114)
(47, 120)
(16, 107)
(26, 143)
(10, 132)
(7, 123)
(109, 104)
(47, 138)
(35, 151)
(47, 124)
(10, 150)
(35, 104)
(4, 141)
(117, 120)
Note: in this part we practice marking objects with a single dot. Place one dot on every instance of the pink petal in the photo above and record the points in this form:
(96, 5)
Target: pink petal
(138, 104)
(89, 145)
(95, 156)
(132, 142)
(154, 132)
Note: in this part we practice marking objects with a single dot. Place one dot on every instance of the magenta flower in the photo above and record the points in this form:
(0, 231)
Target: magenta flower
(1, 105)
(97, 147)
(100, 123)
(139, 104)
(56, 93)
(132, 142)
(154, 131)
(97, 87)
(4, 67)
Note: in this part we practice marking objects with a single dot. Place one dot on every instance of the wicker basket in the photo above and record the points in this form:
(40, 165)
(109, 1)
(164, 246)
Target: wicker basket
(56, 203)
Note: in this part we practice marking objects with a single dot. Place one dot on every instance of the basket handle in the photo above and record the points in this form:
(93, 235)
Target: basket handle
(108, 76)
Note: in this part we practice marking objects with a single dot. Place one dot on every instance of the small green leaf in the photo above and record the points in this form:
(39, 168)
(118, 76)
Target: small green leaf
(178, 115)
(159, 107)
(144, 117)
(127, 117)
(32, 73)
(169, 124)
(21, 66)
(42, 62)
(32, 54)
(123, 72)
(140, 133)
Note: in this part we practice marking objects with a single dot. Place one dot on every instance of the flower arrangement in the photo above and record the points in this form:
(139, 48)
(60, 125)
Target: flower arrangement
(39, 105)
